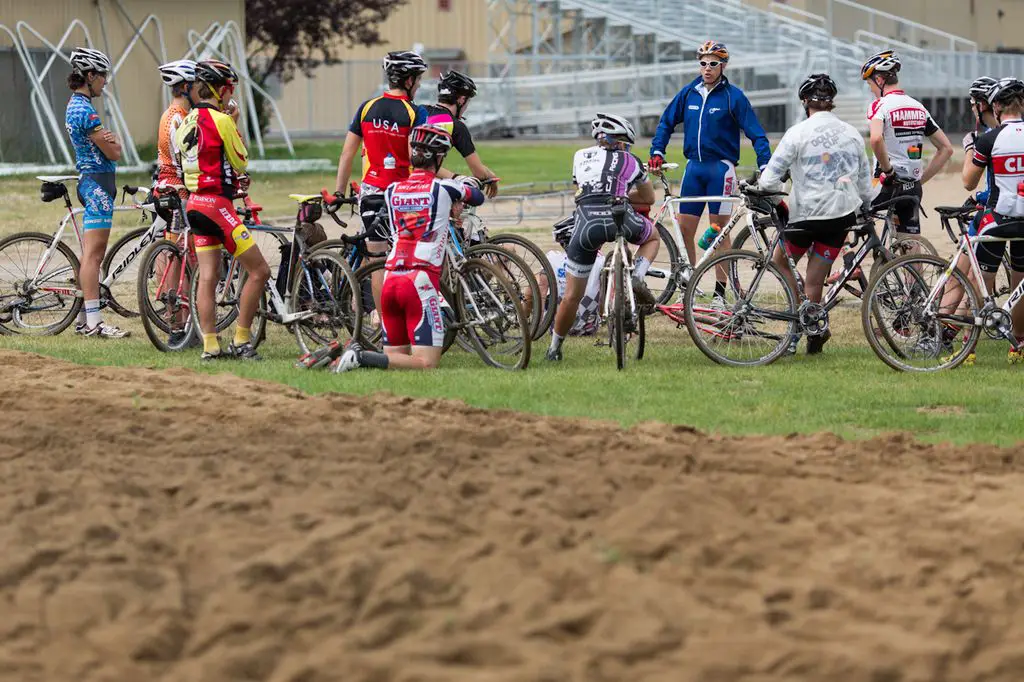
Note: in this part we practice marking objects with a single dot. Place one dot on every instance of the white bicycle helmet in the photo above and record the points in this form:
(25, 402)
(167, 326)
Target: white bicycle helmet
(613, 126)
(180, 71)
(85, 59)
(883, 62)
(981, 87)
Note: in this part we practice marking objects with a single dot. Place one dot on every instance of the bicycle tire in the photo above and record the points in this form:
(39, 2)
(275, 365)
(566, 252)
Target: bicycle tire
(370, 334)
(721, 320)
(65, 277)
(115, 296)
(227, 298)
(474, 273)
(617, 320)
(641, 336)
(550, 302)
(343, 310)
(912, 266)
(508, 262)
(899, 247)
(157, 324)
(675, 267)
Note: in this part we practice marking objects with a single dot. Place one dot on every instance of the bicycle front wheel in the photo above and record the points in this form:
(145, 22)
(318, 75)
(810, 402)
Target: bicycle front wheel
(41, 305)
(914, 325)
(745, 321)
(617, 319)
(163, 289)
(492, 316)
(325, 291)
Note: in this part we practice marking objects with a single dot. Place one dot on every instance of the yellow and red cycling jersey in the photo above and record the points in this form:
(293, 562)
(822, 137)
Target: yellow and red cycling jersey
(212, 152)
(168, 164)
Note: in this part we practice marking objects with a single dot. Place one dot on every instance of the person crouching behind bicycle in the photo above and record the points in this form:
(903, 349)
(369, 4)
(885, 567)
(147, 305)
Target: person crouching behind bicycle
(601, 173)
(1001, 152)
(97, 151)
(213, 159)
(831, 180)
(420, 208)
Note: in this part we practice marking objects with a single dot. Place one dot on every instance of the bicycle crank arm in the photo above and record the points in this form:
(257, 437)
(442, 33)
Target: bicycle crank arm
(289, 318)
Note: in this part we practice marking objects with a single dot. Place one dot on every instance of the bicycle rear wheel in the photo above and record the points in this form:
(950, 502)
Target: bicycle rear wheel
(663, 277)
(51, 304)
(752, 322)
(122, 294)
(163, 296)
(518, 273)
(324, 287)
(907, 332)
(539, 266)
(492, 316)
(617, 319)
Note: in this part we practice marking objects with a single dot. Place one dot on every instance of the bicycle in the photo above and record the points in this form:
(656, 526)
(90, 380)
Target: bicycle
(754, 310)
(39, 292)
(625, 318)
(924, 334)
(319, 303)
(964, 215)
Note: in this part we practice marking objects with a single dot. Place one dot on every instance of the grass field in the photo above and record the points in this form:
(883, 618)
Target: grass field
(845, 390)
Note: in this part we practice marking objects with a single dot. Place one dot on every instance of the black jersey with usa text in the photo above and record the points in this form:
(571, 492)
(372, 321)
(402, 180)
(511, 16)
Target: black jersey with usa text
(385, 123)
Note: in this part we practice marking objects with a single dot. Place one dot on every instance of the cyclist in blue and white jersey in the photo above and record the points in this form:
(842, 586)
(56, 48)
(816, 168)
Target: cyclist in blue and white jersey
(97, 151)
(713, 111)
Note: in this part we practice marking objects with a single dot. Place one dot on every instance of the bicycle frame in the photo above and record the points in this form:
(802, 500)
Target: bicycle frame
(619, 252)
(966, 246)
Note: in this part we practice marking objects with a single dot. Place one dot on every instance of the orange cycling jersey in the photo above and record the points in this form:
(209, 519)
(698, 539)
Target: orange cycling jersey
(168, 165)
(212, 152)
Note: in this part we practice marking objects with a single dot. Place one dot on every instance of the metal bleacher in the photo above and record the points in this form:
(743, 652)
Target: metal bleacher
(633, 57)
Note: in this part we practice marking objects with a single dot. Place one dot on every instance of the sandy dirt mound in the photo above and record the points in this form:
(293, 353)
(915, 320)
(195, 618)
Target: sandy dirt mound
(173, 526)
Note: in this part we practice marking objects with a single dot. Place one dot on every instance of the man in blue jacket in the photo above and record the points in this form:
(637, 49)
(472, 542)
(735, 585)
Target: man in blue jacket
(713, 112)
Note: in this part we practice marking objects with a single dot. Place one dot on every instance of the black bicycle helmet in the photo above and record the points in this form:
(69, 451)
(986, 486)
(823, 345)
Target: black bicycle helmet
(818, 87)
(401, 65)
(981, 87)
(216, 73)
(430, 139)
(1005, 89)
(454, 84)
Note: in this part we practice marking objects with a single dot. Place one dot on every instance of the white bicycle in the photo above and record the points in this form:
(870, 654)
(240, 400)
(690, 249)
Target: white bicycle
(39, 292)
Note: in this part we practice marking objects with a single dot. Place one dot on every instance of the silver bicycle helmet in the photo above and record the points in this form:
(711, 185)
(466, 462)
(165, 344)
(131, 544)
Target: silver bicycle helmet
(85, 59)
(882, 62)
(981, 87)
(613, 126)
(180, 71)
(400, 65)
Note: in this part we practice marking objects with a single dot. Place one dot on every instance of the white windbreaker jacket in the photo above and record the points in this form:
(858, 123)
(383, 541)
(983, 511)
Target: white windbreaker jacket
(829, 166)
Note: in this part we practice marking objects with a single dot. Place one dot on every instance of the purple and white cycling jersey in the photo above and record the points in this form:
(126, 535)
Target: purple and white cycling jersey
(600, 172)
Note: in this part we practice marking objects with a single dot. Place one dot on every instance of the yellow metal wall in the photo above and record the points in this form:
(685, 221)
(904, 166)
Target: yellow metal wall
(138, 81)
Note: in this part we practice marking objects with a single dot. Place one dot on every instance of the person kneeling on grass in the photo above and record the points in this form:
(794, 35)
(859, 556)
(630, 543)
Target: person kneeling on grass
(603, 172)
(420, 208)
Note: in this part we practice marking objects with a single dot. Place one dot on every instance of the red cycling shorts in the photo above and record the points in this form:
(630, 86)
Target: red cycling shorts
(411, 309)
(215, 223)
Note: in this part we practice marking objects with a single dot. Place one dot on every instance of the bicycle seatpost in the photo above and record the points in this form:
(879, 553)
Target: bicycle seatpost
(619, 212)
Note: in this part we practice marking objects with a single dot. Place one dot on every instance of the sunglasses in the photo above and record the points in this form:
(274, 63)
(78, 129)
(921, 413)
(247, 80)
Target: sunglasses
(705, 64)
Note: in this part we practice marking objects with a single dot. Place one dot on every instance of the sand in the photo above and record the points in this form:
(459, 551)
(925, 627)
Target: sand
(166, 525)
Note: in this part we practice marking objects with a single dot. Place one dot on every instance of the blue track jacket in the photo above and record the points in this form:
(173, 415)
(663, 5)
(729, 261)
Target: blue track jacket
(711, 127)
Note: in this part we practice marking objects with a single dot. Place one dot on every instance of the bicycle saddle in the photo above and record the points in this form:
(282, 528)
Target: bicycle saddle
(955, 211)
(56, 178)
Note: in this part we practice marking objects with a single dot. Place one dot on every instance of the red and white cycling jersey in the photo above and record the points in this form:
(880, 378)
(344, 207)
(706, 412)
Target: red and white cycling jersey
(905, 124)
(420, 209)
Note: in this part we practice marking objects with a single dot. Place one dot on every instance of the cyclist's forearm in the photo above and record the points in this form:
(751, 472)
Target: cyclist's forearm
(881, 155)
(348, 154)
(477, 167)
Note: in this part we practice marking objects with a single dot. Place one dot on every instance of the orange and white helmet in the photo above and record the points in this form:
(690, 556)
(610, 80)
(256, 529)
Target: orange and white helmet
(715, 49)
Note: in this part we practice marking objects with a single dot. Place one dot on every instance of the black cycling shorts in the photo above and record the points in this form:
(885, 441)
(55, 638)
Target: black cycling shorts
(595, 228)
(990, 254)
(907, 215)
(826, 236)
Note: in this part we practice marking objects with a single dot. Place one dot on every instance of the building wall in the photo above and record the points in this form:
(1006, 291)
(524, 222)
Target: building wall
(328, 100)
(138, 83)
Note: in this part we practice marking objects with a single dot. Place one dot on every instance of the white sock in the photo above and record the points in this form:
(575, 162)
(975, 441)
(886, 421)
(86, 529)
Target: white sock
(92, 313)
(556, 341)
(641, 267)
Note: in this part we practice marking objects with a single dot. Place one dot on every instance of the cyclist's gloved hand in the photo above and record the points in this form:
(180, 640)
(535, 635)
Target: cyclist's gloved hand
(782, 209)
(469, 180)
(887, 178)
(654, 163)
(969, 140)
(243, 182)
